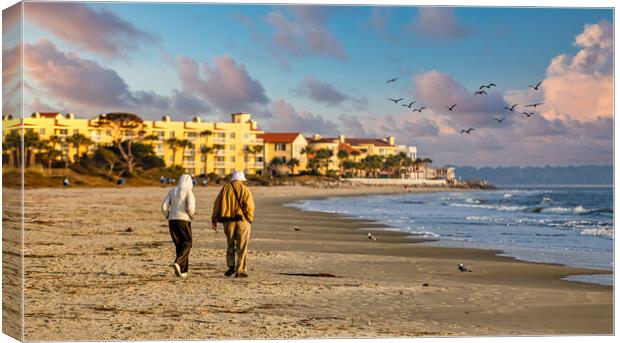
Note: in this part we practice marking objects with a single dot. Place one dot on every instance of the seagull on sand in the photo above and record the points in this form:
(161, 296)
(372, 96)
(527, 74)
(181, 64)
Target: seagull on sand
(297, 228)
(534, 105)
(537, 85)
(371, 237)
(411, 103)
(450, 108)
(468, 131)
(462, 268)
(395, 100)
(391, 80)
(480, 92)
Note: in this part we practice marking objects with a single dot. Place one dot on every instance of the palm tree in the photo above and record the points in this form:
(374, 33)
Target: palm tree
(31, 142)
(174, 144)
(355, 154)
(151, 138)
(49, 154)
(184, 144)
(77, 141)
(12, 147)
(342, 156)
(205, 151)
(206, 133)
(275, 162)
(292, 163)
(324, 155)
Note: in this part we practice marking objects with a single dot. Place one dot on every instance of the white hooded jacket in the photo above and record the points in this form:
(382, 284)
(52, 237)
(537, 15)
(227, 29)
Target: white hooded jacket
(179, 203)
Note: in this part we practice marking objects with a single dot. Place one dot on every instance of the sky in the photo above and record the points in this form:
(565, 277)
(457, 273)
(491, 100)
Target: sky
(323, 69)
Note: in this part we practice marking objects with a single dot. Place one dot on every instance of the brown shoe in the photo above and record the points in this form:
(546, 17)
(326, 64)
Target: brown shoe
(241, 275)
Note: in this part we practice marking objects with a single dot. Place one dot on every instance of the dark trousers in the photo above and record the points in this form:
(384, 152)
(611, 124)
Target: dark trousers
(181, 232)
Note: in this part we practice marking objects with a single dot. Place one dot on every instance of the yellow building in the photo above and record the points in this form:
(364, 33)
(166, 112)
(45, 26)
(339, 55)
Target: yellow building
(286, 146)
(233, 143)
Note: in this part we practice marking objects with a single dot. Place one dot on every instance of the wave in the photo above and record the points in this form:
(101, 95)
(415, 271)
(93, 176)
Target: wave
(601, 232)
(502, 208)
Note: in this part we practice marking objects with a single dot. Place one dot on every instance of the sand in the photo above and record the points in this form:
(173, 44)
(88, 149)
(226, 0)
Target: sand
(97, 266)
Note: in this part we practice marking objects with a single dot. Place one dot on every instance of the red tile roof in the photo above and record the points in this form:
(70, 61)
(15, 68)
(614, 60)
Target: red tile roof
(278, 137)
(49, 114)
(360, 141)
(346, 147)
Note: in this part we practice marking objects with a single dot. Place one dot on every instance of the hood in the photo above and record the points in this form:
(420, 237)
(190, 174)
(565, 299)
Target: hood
(185, 181)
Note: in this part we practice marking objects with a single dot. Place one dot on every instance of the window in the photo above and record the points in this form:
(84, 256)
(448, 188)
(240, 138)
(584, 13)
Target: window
(203, 158)
(232, 159)
(280, 147)
(191, 135)
(232, 135)
(221, 135)
(75, 131)
(231, 147)
(172, 134)
(246, 136)
(259, 158)
(283, 159)
(41, 132)
(63, 132)
(108, 132)
(219, 159)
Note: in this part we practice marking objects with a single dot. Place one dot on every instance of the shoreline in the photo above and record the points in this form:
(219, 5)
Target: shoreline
(117, 272)
(498, 253)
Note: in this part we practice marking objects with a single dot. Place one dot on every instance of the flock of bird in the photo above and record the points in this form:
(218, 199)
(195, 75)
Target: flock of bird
(479, 91)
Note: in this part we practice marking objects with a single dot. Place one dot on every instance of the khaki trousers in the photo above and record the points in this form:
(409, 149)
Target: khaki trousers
(237, 237)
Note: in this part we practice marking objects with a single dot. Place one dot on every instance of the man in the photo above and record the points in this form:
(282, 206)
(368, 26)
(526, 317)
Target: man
(234, 207)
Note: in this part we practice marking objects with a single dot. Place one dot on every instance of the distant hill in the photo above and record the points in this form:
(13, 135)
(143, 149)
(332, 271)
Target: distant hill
(548, 175)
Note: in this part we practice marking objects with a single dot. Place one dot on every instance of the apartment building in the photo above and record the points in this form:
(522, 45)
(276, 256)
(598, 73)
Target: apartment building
(286, 146)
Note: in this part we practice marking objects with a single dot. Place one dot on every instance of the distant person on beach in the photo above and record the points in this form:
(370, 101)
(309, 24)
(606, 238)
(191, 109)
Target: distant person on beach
(234, 208)
(179, 207)
(66, 182)
(205, 182)
(162, 180)
(120, 182)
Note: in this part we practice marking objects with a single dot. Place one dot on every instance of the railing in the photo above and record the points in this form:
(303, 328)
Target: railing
(220, 164)
(255, 141)
(219, 140)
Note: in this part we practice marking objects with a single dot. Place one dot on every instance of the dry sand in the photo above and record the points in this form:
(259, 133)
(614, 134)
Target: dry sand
(88, 277)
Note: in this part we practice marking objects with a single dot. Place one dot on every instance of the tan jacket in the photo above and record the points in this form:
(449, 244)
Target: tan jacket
(226, 206)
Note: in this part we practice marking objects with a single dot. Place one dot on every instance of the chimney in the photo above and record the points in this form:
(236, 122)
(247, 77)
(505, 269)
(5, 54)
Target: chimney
(391, 140)
(341, 138)
(253, 125)
(316, 136)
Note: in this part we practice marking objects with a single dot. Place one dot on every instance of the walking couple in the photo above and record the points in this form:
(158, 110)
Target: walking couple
(233, 207)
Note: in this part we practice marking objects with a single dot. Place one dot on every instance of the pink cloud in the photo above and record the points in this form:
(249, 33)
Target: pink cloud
(225, 84)
(11, 16)
(100, 31)
(282, 117)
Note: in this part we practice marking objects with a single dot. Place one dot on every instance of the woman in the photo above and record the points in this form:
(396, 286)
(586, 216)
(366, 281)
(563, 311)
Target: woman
(179, 207)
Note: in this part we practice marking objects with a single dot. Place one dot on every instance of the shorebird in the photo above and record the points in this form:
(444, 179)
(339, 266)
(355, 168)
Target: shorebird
(468, 131)
(528, 114)
(534, 105)
(411, 103)
(500, 120)
(395, 100)
(391, 80)
(488, 86)
(462, 268)
(419, 109)
(450, 108)
(296, 228)
(371, 237)
(511, 108)
(537, 85)
(480, 92)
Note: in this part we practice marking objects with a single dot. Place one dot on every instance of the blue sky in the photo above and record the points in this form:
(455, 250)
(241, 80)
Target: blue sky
(512, 47)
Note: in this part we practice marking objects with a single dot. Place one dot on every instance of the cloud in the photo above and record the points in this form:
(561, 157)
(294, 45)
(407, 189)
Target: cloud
(96, 30)
(439, 23)
(305, 34)
(83, 85)
(283, 117)
(11, 16)
(225, 84)
(581, 86)
(436, 90)
(321, 91)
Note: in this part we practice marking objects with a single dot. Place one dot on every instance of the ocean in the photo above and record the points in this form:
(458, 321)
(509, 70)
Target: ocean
(566, 225)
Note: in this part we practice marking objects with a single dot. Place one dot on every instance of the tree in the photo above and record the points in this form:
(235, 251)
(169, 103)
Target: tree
(355, 154)
(205, 151)
(49, 154)
(106, 157)
(292, 163)
(254, 149)
(122, 125)
(342, 156)
(12, 147)
(77, 141)
(324, 155)
(31, 143)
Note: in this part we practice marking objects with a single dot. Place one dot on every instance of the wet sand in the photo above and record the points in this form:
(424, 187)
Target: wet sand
(97, 266)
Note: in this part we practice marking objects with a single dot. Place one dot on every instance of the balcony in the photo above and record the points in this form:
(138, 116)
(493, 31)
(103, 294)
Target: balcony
(255, 141)
(220, 164)
(219, 140)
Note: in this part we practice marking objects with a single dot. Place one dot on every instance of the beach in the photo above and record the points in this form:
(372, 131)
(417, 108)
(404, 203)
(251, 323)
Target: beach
(98, 267)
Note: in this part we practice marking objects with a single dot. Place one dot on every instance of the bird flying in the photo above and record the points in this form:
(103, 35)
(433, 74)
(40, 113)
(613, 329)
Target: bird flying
(480, 92)
(511, 108)
(419, 109)
(500, 120)
(391, 80)
(395, 100)
(468, 131)
(450, 108)
(534, 105)
(411, 103)
(528, 114)
(488, 86)
(537, 85)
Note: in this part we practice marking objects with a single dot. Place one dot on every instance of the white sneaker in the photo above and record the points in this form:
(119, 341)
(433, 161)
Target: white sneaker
(184, 274)
(177, 269)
